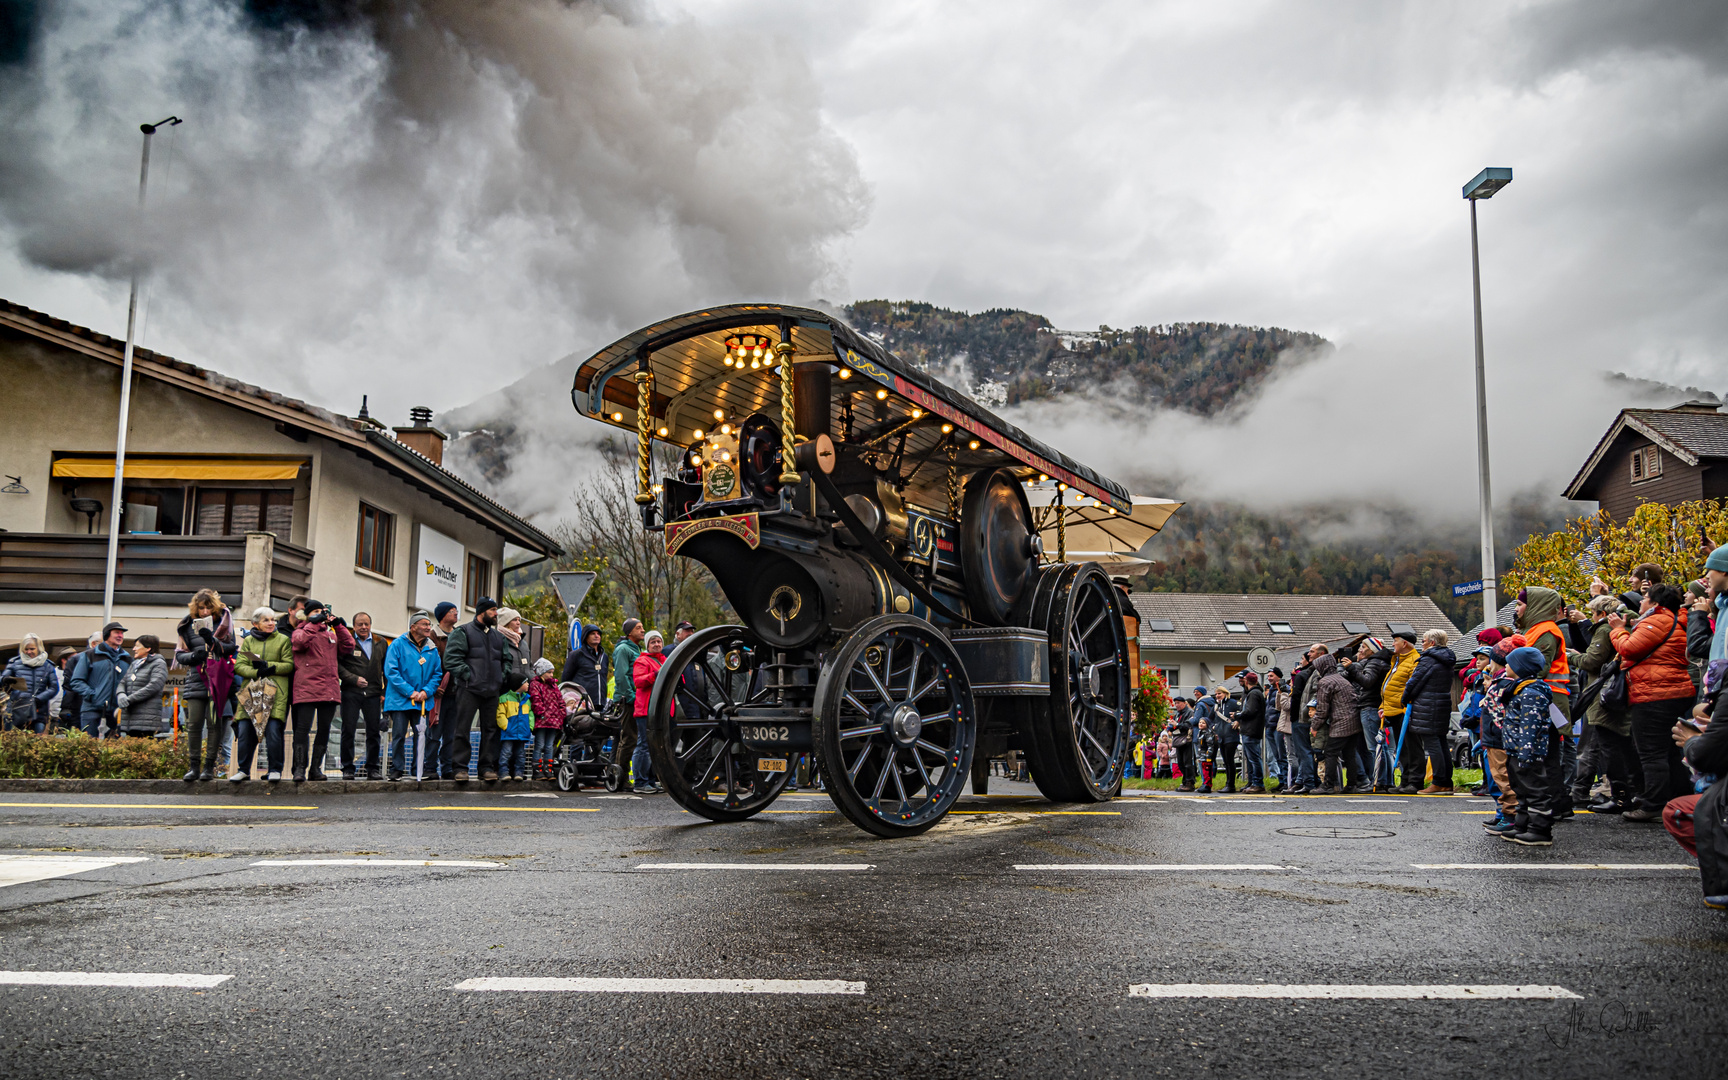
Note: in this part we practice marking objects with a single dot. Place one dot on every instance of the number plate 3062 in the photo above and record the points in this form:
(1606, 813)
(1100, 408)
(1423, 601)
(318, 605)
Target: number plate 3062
(765, 733)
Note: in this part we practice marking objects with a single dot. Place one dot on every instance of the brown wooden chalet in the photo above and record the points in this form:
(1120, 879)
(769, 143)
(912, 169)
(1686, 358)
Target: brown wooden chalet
(1667, 456)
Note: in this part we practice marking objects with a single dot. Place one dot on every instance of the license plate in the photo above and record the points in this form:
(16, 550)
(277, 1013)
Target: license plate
(771, 764)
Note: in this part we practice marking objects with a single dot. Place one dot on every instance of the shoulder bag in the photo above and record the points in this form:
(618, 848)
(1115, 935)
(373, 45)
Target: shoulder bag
(1614, 695)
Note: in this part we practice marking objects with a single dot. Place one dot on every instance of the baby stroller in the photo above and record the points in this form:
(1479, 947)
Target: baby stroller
(588, 752)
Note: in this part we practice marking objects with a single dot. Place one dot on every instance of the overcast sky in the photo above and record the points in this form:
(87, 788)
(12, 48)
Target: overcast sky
(362, 208)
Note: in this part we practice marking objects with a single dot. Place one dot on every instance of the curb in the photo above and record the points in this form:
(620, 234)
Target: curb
(263, 787)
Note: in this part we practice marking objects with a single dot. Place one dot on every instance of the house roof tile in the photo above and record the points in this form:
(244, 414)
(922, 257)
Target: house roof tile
(1198, 618)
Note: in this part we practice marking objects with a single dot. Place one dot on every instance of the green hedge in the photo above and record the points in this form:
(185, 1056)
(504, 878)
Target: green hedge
(76, 756)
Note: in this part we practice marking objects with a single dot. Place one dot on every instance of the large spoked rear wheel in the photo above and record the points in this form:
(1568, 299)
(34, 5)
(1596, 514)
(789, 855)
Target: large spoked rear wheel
(692, 730)
(1081, 731)
(895, 729)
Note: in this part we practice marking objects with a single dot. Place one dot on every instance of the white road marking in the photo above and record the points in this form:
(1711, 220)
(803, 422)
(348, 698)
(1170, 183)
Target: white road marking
(1553, 866)
(1346, 991)
(532, 795)
(636, 797)
(752, 866)
(1153, 866)
(110, 978)
(16, 869)
(667, 986)
(379, 862)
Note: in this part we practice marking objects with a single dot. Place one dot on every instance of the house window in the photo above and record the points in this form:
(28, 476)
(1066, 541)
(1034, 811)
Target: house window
(1235, 626)
(1646, 463)
(1161, 626)
(154, 510)
(237, 511)
(479, 578)
(377, 540)
(1172, 678)
(1397, 628)
(1353, 627)
(1279, 626)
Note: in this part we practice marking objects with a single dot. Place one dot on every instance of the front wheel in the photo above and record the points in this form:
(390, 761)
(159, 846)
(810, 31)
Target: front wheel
(895, 729)
(693, 730)
(566, 776)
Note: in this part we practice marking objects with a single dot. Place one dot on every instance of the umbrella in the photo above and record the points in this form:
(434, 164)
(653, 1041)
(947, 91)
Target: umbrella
(1097, 533)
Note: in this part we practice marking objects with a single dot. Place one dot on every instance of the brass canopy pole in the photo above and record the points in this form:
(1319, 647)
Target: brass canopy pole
(644, 432)
(953, 483)
(788, 436)
(1061, 528)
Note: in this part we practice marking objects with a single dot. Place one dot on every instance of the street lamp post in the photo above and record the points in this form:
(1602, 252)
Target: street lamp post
(1486, 183)
(126, 389)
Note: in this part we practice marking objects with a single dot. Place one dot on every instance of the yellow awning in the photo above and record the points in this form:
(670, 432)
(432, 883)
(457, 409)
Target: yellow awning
(160, 468)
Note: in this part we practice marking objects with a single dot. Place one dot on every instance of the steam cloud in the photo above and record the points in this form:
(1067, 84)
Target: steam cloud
(414, 199)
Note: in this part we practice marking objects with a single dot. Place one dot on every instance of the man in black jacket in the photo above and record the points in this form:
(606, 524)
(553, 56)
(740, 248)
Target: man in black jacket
(362, 676)
(478, 659)
(1250, 724)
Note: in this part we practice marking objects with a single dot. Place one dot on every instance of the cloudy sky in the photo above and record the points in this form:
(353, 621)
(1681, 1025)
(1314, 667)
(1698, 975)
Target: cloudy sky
(426, 201)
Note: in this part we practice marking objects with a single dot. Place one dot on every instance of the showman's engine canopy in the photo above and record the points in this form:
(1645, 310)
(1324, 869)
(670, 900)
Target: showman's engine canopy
(902, 620)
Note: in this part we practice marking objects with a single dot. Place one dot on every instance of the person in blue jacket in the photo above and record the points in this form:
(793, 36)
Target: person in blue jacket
(96, 677)
(412, 669)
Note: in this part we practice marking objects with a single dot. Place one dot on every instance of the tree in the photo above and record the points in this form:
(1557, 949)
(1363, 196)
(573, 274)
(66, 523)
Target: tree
(660, 590)
(1676, 538)
(599, 608)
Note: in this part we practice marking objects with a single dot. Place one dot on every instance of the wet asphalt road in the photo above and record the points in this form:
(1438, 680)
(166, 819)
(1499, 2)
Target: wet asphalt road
(970, 967)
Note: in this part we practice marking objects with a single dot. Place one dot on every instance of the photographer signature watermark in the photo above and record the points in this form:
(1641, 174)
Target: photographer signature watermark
(1612, 1018)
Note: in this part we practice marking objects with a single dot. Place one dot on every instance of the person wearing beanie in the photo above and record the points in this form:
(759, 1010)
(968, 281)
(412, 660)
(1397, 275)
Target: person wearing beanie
(549, 713)
(642, 676)
(1707, 630)
(1497, 682)
(624, 656)
(479, 658)
(412, 671)
(1532, 748)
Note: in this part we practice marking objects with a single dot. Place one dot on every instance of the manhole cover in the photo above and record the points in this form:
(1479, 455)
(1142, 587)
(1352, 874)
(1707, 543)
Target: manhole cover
(1332, 832)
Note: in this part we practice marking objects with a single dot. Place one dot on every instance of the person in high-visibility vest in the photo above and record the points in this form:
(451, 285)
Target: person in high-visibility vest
(1538, 608)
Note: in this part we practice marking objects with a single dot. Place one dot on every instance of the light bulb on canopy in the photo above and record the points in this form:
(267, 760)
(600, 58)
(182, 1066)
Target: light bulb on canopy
(747, 346)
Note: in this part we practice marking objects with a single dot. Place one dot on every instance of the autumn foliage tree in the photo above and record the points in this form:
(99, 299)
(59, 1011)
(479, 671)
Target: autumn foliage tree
(1676, 538)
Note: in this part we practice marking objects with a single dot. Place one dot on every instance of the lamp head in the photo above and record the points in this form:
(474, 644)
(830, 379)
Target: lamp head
(1486, 183)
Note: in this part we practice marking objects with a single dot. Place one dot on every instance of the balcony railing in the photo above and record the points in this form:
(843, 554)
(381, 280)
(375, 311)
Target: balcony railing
(68, 568)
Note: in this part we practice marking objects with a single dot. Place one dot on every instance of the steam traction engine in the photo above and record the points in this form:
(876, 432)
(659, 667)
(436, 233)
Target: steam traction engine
(870, 525)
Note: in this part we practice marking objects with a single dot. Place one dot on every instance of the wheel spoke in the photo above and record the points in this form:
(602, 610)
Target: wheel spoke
(941, 752)
(1093, 625)
(880, 689)
(855, 703)
(912, 668)
(882, 778)
(894, 767)
(1086, 731)
(869, 729)
(852, 773)
(925, 689)
(929, 784)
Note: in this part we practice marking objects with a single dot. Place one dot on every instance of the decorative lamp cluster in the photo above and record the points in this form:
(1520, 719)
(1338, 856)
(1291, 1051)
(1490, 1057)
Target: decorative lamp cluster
(751, 348)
